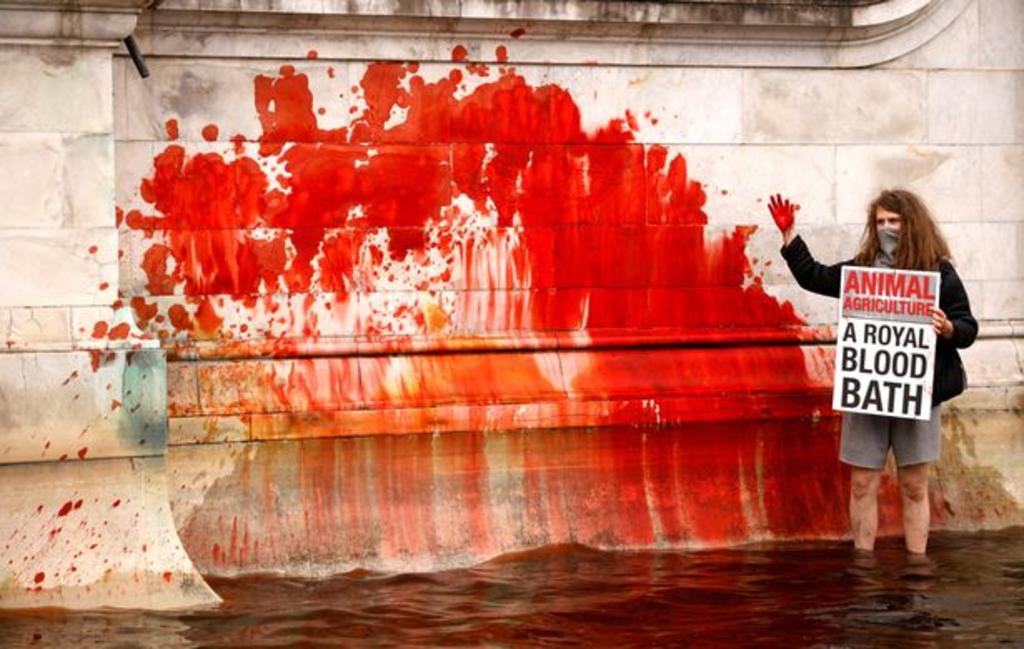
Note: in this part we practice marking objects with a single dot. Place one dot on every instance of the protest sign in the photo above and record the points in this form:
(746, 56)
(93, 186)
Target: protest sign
(885, 352)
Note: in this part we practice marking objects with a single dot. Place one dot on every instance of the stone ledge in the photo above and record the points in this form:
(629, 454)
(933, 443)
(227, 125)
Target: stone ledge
(794, 34)
(96, 23)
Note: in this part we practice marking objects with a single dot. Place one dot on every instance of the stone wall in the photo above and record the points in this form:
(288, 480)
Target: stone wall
(356, 220)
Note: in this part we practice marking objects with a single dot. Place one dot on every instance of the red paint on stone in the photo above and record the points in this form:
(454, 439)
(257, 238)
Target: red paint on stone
(65, 508)
(171, 128)
(210, 132)
(501, 54)
(517, 32)
(82, 453)
(40, 576)
(312, 55)
(120, 332)
(116, 503)
(505, 146)
(167, 577)
(99, 330)
(93, 250)
(459, 53)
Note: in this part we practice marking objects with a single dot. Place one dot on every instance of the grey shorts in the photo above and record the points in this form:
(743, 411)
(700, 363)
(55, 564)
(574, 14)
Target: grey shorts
(866, 439)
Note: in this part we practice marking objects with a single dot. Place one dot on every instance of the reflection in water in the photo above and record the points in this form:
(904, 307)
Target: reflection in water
(970, 589)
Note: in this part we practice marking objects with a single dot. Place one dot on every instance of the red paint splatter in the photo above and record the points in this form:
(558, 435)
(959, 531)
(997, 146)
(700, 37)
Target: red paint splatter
(82, 452)
(508, 147)
(99, 330)
(65, 508)
(210, 132)
(501, 54)
(62, 457)
(144, 312)
(78, 504)
(312, 55)
(459, 53)
(171, 128)
(40, 576)
(120, 332)
(104, 285)
(116, 503)
(517, 32)
(93, 250)
(71, 377)
(167, 577)
(115, 404)
(330, 72)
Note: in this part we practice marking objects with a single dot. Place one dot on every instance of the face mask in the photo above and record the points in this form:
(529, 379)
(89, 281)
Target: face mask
(888, 240)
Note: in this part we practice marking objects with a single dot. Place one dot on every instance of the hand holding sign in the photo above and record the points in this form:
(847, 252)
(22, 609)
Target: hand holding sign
(784, 213)
(942, 325)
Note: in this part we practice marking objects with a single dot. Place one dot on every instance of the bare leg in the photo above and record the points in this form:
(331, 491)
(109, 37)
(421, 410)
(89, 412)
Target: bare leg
(864, 506)
(916, 514)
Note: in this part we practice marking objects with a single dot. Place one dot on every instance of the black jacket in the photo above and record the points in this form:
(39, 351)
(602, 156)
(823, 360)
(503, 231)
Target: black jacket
(950, 378)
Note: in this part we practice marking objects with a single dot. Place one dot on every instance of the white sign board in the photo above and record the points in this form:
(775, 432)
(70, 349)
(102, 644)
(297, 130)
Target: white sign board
(885, 351)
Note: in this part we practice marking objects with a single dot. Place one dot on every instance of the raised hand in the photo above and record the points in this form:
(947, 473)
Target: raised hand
(783, 212)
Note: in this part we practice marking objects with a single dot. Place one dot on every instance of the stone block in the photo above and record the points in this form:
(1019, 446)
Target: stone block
(72, 405)
(221, 93)
(52, 181)
(948, 179)
(812, 106)
(89, 535)
(58, 267)
(987, 251)
(973, 107)
(1001, 27)
(208, 430)
(738, 181)
(32, 181)
(26, 328)
(89, 181)
(133, 161)
(1002, 189)
(1001, 300)
(993, 362)
(56, 89)
(954, 47)
(669, 104)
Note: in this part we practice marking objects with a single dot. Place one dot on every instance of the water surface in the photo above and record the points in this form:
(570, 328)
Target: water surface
(970, 591)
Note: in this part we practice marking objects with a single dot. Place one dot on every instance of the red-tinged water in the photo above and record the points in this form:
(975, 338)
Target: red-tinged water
(969, 591)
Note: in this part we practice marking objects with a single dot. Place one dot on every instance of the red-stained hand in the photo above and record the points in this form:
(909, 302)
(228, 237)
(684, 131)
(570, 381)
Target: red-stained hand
(782, 211)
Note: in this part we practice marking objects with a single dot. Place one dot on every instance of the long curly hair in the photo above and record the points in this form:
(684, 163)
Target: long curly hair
(921, 246)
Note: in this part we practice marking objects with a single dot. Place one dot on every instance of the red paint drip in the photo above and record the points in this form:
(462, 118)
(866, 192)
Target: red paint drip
(171, 128)
(501, 54)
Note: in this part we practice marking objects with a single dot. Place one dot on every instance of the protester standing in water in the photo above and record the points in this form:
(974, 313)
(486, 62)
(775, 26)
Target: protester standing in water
(900, 233)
